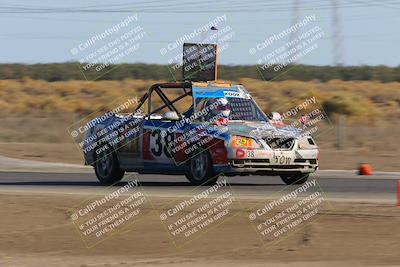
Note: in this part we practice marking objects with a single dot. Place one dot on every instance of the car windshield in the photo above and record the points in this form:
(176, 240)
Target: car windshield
(239, 109)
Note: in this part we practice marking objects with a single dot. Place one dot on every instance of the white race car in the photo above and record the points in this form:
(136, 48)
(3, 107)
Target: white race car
(223, 131)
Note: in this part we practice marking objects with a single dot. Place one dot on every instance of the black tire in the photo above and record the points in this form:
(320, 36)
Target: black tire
(107, 168)
(201, 169)
(299, 178)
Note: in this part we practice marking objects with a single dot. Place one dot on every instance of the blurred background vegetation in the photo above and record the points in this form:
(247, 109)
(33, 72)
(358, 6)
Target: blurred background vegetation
(360, 101)
(70, 71)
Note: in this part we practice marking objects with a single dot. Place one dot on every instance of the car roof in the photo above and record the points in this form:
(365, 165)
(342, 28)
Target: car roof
(214, 90)
(211, 85)
(195, 89)
(205, 89)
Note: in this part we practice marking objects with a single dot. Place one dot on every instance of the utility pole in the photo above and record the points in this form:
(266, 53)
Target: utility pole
(337, 35)
(295, 19)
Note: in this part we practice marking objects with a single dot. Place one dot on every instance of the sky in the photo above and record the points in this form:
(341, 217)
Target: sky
(364, 33)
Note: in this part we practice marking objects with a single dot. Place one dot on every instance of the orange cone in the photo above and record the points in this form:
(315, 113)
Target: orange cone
(365, 169)
(398, 193)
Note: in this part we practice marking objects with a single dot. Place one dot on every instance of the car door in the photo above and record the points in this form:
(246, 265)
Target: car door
(129, 148)
(156, 146)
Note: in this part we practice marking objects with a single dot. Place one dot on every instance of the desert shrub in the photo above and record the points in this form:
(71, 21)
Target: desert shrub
(358, 107)
(356, 99)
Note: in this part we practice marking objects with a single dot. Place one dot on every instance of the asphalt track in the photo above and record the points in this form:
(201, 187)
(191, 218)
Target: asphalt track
(337, 185)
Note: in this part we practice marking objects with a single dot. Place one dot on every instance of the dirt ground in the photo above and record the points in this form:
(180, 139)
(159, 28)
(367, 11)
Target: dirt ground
(37, 231)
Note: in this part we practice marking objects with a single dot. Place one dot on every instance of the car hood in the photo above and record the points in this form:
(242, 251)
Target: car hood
(261, 130)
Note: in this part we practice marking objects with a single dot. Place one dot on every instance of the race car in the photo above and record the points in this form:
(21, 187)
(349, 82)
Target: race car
(222, 131)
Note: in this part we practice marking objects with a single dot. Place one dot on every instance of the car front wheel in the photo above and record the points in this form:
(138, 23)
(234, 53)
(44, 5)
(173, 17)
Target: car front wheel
(201, 169)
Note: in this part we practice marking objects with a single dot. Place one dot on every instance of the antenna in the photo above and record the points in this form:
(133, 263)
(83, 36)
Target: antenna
(213, 28)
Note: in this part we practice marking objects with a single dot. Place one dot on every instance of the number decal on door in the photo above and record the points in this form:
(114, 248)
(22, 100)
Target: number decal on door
(158, 150)
(161, 141)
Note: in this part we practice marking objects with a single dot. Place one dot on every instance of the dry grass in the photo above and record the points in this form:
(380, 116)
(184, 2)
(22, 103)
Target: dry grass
(357, 99)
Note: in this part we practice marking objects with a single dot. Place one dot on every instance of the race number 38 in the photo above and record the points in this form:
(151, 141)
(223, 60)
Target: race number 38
(159, 141)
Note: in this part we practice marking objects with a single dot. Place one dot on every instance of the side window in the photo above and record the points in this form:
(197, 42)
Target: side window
(200, 105)
(156, 103)
(159, 105)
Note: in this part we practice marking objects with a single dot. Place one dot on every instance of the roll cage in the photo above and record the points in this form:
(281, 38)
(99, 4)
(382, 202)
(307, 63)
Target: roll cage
(168, 103)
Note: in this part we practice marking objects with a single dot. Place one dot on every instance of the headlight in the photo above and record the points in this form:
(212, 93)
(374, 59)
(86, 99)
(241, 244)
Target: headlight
(244, 142)
(306, 143)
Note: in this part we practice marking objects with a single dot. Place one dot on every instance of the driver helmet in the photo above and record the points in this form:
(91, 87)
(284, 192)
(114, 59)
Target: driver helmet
(276, 119)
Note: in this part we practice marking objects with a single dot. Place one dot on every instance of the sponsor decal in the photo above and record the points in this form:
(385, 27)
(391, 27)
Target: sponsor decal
(240, 153)
(235, 94)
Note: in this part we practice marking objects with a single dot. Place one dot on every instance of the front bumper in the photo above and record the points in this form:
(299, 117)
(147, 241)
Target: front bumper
(263, 167)
(299, 165)
(270, 162)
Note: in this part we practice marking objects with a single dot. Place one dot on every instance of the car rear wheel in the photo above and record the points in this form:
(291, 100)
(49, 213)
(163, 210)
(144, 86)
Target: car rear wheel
(201, 169)
(107, 168)
(295, 178)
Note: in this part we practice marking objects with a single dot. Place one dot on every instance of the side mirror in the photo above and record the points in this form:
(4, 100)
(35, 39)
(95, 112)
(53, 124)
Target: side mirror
(170, 116)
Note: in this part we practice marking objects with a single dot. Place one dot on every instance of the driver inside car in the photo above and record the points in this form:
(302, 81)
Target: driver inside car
(219, 111)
